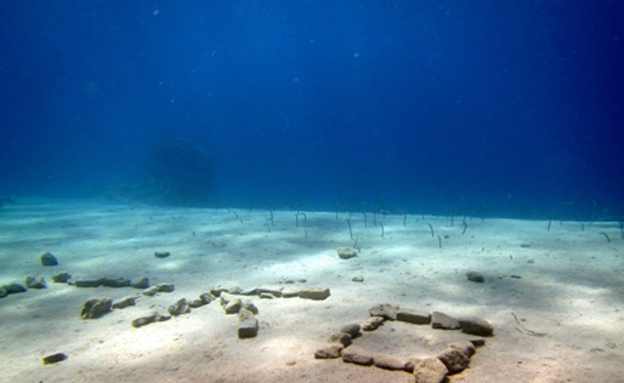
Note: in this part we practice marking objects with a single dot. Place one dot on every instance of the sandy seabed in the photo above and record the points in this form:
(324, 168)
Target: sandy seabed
(567, 292)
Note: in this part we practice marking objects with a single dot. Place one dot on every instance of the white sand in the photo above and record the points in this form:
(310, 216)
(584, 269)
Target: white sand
(571, 289)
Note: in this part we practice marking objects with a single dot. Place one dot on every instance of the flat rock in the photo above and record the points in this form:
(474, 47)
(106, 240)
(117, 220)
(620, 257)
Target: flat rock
(357, 355)
(48, 259)
(54, 358)
(124, 302)
(35, 283)
(248, 328)
(162, 254)
(314, 293)
(14, 288)
(386, 311)
(61, 277)
(165, 287)
(95, 307)
(155, 317)
(346, 252)
(249, 306)
(430, 370)
(476, 326)
(3, 292)
(150, 292)
(86, 283)
(388, 362)
(475, 276)
(340, 337)
(114, 282)
(372, 323)
(140, 283)
(359, 278)
(444, 322)
(276, 291)
(291, 292)
(454, 360)
(233, 306)
(353, 329)
(413, 316)
(328, 352)
(179, 308)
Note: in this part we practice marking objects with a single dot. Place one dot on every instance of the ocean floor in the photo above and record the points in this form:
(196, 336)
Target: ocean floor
(554, 294)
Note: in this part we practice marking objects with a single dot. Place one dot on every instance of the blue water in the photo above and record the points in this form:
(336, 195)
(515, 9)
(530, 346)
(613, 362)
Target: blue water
(497, 108)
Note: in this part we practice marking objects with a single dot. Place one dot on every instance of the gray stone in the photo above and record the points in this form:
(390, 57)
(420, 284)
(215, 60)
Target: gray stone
(48, 259)
(314, 293)
(140, 283)
(249, 306)
(386, 311)
(413, 316)
(388, 363)
(3, 292)
(35, 283)
(244, 314)
(444, 322)
(151, 291)
(475, 276)
(61, 277)
(179, 308)
(233, 306)
(206, 298)
(235, 290)
(54, 358)
(352, 329)
(358, 279)
(13, 288)
(89, 283)
(430, 370)
(340, 337)
(357, 355)
(155, 317)
(372, 323)
(114, 282)
(454, 360)
(165, 287)
(124, 302)
(291, 292)
(248, 328)
(328, 352)
(253, 291)
(162, 254)
(476, 326)
(346, 252)
(266, 296)
(217, 290)
(276, 291)
(464, 346)
(95, 307)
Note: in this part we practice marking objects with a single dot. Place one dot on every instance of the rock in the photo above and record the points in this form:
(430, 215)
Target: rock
(179, 308)
(346, 252)
(35, 283)
(464, 346)
(151, 291)
(54, 358)
(235, 290)
(476, 326)
(48, 259)
(353, 329)
(444, 322)
(3, 292)
(388, 363)
(358, 279)
(475, 276)
(140, 283)
(244, 315)
(248, 328)
(61, 277)
(206, 298)
(155, 317)
(328, 352)
(86, 283)
(14, 288)
(291, 292)
(249, 306)
(114, 282)
(357, 355)
(314, 293)
(276, 291)
(161, 254)
(165, 287)
(217, 290)
(372, 323)
(413, 316)
(95, 307)
(233, 306)
(248, 292)
(124, 302)
(454, 360)
(340, 337)
(430, 370)
(480, 342)
(385, 311)
(266, 296)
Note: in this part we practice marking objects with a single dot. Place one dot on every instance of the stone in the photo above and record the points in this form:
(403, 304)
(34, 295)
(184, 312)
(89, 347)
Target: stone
(476, 326)
(35, 283)
(479, 342)
(413, 316)
(151, 291)
(217, 290)
(454, 360)
(430, 370)
(233, 306)
(86, 283)
(244, 315)
(114, 282)
(266, 296)
(464, 346)
(48, 259)
(248, 328)
(388, 363)
(61, 277)
(346, 252)
(444, 322)
(314, 293)
(155, 317)
(386, 311)
(328, 352)
(14, 288)
(253, 291)
(124, 302)
(372, 323)
(161, 254)
(357, 355)
(340, 337)
(165, 287)
(140, 283)
(3, 292)
(353, 329)
(95, 307)
(249, 306)
(475, 276)
(291, 292)
(179, 308)
(276, 291)
(235, 290)
(206, 298)
(358, 279)
(54, 358)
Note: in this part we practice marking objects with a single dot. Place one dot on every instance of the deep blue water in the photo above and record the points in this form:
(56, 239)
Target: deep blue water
(500, 108)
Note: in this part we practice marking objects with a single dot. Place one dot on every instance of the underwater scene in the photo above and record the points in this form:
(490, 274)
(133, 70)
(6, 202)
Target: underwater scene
(322, 191)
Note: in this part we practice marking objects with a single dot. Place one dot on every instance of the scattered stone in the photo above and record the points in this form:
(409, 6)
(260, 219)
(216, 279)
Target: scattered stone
(140, 283)
(162, 254)
(353, 329)
(413, 316)
(291, 292)
(372, 323)
(54, 358)
(358, 279)
(86, 283)
(95, 307)
(217, 290)
(340, 337)
(165, 287)
(248, 292)
(430, 370)
(61, 277)
(314, 293)
(244, 314)
(346, 252)
(233, 306)
(454, 360)
(357, 355)
(386, 311)
(515, 277)
(48, 259)
(248, 328)
(235, 290)
(444, 322)
(276, 291)
(124, 302)
(155, 317)
(206, 298)
(179, 308)
(476, 326)
(266, 296)
(302, 280)
(35, 283)
(249, 306)
(151, 291)
(475, 276)
(3, 292)
(328, 352)
(388, 363)
(480, 342)
(13, 288)
(464, 346)
(114, 282)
